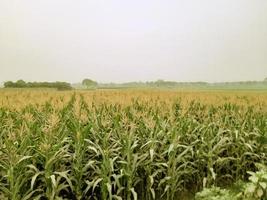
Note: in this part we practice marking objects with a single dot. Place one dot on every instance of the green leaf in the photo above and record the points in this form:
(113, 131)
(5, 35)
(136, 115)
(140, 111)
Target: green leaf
(165, 190)
(151, 152)
(251, 188)
(263, 185)
(34, 178)
(134, 193)
(259, 192)
(153, 193)
(29, 195)
(53, 179)
(64, 175)
(254, 179)
(117, 197)
(96, 183)
(24, 158)
(170, 149)
(93, 149)
(109, 190)
(213, 174)
(33, 167)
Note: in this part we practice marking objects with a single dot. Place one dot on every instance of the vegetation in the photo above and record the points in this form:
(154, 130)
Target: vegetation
(256, 188)
(215, 193)
(89, 83)
(90, 148)
(246, 85)
(23, 84)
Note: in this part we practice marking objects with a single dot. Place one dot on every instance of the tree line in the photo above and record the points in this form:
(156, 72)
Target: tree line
(91, 84)
(22, 84)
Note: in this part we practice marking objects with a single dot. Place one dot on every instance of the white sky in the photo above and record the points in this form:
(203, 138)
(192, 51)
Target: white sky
(133, 40)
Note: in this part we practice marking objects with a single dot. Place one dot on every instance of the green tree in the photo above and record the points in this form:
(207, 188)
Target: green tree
(21, 84)
(89, 83)
(8, 84)
(62, 86)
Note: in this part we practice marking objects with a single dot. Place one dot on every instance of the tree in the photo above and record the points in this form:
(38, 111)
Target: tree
(8, 84)
(21, 84)
(159, 82)
(89, 83)
(62, 86)
(17, 84)
(265, 79)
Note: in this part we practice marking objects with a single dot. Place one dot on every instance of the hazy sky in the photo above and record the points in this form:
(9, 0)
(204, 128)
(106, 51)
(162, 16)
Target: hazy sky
(133, 40)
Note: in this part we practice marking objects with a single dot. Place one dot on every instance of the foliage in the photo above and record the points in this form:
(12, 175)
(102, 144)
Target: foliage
(215, 193)
(23, 84)
(257, 188)
(81, 150)
(251, 85)
(89, 83)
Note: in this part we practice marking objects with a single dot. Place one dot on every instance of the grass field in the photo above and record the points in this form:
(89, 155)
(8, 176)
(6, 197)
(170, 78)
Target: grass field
(132, 144)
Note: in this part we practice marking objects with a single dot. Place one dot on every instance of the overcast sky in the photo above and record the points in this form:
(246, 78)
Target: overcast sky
(133, 40)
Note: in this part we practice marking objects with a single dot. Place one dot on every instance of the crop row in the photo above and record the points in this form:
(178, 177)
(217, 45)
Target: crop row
(147, 150)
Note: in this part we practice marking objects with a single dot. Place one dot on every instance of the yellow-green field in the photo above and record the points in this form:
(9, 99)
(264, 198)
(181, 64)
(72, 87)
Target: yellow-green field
(19, 98)
(132, 144)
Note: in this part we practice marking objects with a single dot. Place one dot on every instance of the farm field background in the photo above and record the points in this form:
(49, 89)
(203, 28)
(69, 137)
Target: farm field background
(128, 144)
(19, 98)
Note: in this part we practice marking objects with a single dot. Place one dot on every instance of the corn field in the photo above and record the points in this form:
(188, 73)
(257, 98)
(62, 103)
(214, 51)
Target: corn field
(73, 148)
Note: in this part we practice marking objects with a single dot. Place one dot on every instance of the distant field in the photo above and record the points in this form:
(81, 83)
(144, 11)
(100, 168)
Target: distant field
(249, 85)
(129, 144)
(18, 98)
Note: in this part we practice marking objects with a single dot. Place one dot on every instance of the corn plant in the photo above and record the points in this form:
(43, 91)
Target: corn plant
(157, 145)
